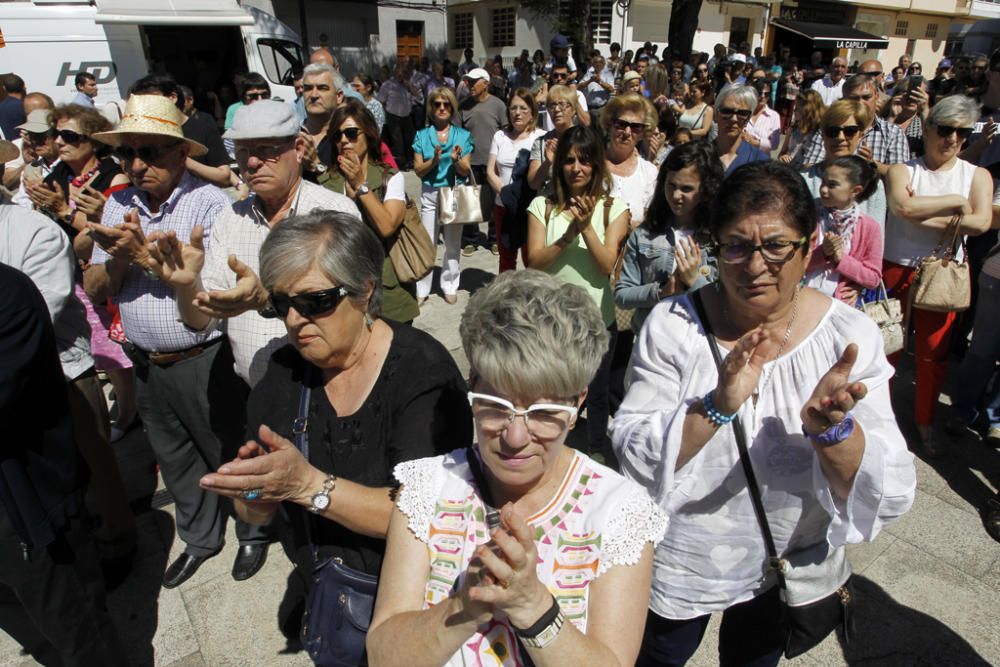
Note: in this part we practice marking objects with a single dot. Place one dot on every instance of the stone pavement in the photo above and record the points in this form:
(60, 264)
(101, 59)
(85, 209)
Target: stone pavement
(928, 588)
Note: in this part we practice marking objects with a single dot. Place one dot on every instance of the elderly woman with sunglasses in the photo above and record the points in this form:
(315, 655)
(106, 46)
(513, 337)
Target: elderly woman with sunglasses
(626, 119)
(379, 394)
(442, 153)
(520, 550)
(842, 127)
(807, 378)
(733, 108)
(357, 171)
(926, 195)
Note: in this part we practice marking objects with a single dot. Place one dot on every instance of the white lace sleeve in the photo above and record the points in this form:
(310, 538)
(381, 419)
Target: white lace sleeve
(637, 520)
(421, 484)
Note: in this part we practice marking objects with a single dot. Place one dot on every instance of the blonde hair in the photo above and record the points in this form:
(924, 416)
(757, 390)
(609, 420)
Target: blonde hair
(838, 112)
(562, 93)
(438, 93)
(628, 103)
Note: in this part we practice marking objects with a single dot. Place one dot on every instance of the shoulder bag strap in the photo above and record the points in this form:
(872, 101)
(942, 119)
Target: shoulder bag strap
(479, 478)
(300, 431)
(773, 561)
(548, 210)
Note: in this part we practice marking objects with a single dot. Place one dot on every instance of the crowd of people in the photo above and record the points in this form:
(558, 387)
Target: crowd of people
(684, 246)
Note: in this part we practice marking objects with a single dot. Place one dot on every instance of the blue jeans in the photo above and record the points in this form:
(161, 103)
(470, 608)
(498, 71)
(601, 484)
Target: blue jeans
(972, 390)
(750, 636)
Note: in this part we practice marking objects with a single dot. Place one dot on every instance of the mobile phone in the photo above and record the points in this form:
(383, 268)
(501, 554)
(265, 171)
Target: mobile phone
(916, 81)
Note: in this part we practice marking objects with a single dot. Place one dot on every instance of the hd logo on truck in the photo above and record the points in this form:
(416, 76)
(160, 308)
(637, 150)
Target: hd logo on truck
(103, 71)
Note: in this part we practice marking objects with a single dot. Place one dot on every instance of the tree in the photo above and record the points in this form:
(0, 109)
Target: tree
(683, 24)
(569, 17)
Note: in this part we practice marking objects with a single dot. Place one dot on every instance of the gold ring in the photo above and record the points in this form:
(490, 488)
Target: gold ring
(504, 584)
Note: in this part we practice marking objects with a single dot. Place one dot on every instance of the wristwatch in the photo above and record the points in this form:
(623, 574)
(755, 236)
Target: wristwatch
(321, 499)
(363, 189)
(545, 630)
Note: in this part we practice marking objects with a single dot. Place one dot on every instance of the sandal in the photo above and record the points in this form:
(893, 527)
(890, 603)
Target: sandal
(991, 520)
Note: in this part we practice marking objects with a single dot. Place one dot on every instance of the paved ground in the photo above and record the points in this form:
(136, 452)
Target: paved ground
(928, 588)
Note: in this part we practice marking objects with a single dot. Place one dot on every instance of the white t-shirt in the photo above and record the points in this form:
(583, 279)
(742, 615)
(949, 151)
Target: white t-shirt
(637, 189)
(396, 188)
(506, 149)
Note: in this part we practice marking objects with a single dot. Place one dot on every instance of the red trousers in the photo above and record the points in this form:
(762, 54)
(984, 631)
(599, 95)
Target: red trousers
(931, 340)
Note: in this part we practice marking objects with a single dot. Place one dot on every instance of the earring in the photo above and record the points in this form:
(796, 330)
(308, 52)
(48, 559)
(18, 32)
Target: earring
(368, 321)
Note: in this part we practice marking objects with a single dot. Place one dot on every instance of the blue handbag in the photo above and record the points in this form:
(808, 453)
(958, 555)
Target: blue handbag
(339, 608)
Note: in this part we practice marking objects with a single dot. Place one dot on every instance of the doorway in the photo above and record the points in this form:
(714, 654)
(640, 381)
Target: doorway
(739, 31)
(409, 39)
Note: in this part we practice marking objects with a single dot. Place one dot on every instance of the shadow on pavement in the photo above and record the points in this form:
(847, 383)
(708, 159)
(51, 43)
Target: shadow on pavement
(888, 633)
(472, 279)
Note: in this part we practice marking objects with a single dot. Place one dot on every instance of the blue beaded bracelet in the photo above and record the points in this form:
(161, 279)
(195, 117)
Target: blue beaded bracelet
(714, 415)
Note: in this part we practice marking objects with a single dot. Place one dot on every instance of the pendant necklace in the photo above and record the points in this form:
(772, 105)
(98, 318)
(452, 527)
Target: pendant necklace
(788, 333)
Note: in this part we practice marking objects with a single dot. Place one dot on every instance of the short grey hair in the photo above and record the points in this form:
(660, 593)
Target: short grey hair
(860, 82)
(956, 110)
(531, 335)
(339, 245)
(316, 69)
(745, 95)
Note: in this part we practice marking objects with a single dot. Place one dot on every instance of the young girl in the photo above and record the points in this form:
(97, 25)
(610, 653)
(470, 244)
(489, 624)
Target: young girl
(848, 253)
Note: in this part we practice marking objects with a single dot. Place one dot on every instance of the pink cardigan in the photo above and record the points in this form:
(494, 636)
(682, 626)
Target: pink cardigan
(863, 265)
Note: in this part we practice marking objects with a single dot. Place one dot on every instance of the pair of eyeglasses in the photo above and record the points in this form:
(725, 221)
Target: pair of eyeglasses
(69, 136)
(308, 304)
(38, 137)
(263, 152)
(148, 154)
(945, 131)
(352, 134)
(442, 104)
(544, 421)
(773, 252)
(554, 106)
(834, 131)
(253, 97)
(622, 125)
(729, 112)
(558, 76)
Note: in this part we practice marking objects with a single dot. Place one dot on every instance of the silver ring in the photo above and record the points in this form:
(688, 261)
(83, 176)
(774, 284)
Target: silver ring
(250, 494)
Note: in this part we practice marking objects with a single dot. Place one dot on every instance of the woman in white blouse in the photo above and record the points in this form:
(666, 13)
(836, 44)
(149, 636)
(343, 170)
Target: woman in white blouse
(809, 380)
(561, 576)
(626, 119)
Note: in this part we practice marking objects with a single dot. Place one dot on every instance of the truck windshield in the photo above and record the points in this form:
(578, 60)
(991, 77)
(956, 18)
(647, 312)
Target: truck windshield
(280, 58)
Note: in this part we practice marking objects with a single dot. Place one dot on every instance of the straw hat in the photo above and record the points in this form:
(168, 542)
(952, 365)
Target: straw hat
(8, 152)
(150, 115)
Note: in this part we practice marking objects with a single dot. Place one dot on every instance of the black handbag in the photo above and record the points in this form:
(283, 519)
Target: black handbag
(805, 625)
(339, 608)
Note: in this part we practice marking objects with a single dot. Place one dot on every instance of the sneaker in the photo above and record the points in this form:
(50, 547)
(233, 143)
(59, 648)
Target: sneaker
(959, 428)
(993, 437)
(468, 250)
(495, 249)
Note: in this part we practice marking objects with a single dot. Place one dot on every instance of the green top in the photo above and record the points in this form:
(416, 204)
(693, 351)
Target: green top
(575, 265)
(399, 301)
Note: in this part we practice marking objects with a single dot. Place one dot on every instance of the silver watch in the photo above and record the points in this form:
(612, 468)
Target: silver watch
(321, 499)
(547, 635)
(363, 189)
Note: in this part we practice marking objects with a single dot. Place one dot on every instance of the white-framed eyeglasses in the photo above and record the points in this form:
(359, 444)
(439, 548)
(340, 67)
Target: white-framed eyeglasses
(543, 420)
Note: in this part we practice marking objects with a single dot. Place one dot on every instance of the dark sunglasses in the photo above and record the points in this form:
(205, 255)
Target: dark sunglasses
(442, 104)
(69, 136)
(40, 137)
(729, 112)
(147, 154)
(253, 97)
(352, 134)
(834, 131)
(310, 304)
(945, 131)
(622, 125)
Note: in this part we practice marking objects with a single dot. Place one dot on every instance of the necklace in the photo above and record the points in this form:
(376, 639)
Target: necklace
(781, 348)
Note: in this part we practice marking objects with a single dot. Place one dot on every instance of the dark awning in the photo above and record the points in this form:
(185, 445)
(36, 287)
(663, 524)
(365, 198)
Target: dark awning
(827, 36)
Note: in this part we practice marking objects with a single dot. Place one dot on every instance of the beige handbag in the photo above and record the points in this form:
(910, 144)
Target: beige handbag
(888, 315)
(412, 253)
(943, 283)
(459, 204)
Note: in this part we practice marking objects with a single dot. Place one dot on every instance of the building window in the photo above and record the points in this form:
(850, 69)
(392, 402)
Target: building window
(504, 20)
(931, 31)
(901, 28)
(462, 38)
(600, 21)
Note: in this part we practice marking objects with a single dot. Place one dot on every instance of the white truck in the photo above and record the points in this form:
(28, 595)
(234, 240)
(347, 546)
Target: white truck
(201, 43)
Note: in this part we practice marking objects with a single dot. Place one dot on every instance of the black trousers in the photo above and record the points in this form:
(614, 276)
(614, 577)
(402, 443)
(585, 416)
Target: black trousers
(398, 133)
(53, 603)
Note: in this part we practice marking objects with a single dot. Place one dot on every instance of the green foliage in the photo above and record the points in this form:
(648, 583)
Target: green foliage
(571, 21)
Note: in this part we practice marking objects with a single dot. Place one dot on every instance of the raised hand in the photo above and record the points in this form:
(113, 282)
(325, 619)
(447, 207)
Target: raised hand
(688, 260)
(550, 150)
(581, 209)
(248, 294)
(175, 263)
(740, 371)
(310, 158)
(833, 247)
(126, 242)
(350, 167)
(512, 584)
(456, 153)
(47, 197)
(834, 396)
(277, 469)
(865, 151)
(90, 202)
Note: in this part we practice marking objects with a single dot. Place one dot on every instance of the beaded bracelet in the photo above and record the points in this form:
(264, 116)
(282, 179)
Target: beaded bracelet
(714, 415)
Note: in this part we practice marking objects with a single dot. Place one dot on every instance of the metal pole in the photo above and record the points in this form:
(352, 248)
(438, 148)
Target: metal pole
(304, 28)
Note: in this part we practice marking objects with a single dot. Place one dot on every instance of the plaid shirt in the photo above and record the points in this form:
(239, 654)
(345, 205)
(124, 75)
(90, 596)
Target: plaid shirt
(147, 306)
(887, 141)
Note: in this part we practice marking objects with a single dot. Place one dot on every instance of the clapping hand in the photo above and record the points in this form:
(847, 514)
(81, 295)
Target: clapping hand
(350, 166)
(550, 150)
(47, 197)
(126, 242)
(90, 202)
(248, 294)
(835, 395)
(833, 247)
(175, 263)
(310, 158)
(688, 261)
(741, 369)
(456, 153)
(865, 151)
(505, 577)
(581, 210)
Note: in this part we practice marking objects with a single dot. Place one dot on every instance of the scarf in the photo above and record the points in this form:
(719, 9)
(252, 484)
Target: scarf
(840, 222)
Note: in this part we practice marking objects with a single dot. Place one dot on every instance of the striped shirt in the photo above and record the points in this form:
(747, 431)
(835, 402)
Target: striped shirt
(148, 307)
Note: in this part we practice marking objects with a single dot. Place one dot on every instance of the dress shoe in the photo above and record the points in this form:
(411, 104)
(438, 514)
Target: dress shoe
(183, 568)
(469, 250)
(249, 559)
